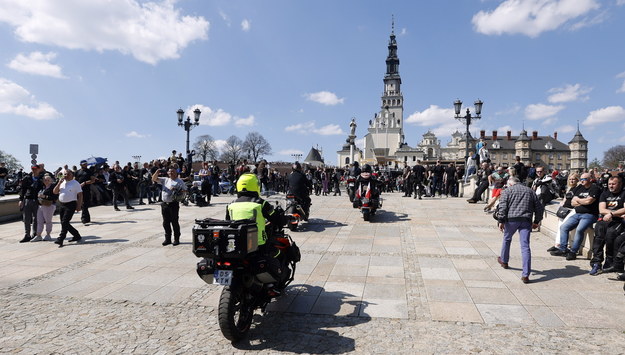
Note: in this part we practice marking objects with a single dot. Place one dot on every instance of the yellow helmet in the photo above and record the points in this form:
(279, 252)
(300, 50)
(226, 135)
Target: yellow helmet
(248, 182)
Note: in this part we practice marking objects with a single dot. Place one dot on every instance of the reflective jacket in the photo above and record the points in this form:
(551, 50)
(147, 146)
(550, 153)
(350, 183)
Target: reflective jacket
(254, 208)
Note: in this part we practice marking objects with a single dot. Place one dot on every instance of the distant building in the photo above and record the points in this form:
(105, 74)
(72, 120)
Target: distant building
(314, 158)
(384, 142)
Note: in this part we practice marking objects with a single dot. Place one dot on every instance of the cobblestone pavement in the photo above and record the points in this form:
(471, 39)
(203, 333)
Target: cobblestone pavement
(421, 278)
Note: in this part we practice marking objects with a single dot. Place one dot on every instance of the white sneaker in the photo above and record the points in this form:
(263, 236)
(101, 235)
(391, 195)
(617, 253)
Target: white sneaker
(47, 238)
(36, 239)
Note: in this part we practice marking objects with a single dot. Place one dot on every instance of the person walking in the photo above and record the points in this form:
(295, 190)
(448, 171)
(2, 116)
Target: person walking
(170, 208)
(70, 197)
(47, 206)
(519, 210)
(3, 177)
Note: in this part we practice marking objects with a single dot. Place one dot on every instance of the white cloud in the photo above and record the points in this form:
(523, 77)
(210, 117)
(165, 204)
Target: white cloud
(240, 122)
(37, 63)
(621, 75)
(540, 111)
(605, 115)
(530, 17)
(149, 31)
(549, 121)
(290, 151)
(246, 25)
(325, 98)
(219, 117)
(620, 2)
(310, 127)
(403, 31)
(504, 129)
(439, 120)
(225, 17)
(565, 129)
(568, 93)
(220, 144)
(590, 21)
(135, 134)
(329, 130)
(16, 100)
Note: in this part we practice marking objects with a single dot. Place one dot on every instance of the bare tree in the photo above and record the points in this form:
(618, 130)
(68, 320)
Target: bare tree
(11, 162)
(613, 156)
(232, 150)
(256, 145)
(205, 147)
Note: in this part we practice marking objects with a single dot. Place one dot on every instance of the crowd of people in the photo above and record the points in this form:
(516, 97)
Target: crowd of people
(588, 199)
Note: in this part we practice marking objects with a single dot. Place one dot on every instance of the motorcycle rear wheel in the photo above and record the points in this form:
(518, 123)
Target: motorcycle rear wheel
(292, 227)
(235, 316)
(366, 215)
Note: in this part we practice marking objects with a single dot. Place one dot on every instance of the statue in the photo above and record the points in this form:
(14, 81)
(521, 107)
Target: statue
(352, 127)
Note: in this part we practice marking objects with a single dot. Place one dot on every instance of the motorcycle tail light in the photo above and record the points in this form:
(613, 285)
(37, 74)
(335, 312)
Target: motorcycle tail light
(226, 263)
(215, 234)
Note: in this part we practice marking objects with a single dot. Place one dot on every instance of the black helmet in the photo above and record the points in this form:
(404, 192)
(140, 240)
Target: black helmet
(296, 166)
(366, 168)
(356, 164)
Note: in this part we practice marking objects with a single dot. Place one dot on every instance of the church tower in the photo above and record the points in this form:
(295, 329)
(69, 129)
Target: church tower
(385, 132)
(579, 151)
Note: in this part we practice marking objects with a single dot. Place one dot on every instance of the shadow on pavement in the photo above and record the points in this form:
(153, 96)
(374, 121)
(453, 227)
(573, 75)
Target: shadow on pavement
(112, 222)
(308, 331)
(383, 216)
(552, 274)
(92, 239)
(320, 225)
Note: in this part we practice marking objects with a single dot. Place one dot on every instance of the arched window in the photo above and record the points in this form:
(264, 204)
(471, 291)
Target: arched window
(346, 160)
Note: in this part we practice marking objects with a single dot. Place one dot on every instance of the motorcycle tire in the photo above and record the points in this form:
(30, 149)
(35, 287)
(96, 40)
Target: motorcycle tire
(235, 317)
(292, 227)
(366, 215)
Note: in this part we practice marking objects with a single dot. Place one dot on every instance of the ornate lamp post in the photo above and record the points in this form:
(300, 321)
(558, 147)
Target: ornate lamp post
(467, 120)
(187, 125)
(137, 158)
(297, 156)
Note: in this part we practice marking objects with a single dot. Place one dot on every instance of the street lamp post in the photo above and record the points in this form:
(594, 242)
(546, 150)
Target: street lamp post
(297, 156)
(467, 120)
(137, 158)
(187, 125)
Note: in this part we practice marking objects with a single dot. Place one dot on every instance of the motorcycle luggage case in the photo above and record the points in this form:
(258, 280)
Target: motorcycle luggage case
(224, 239)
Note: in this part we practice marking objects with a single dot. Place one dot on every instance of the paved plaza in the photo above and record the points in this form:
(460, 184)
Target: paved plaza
(421, 278)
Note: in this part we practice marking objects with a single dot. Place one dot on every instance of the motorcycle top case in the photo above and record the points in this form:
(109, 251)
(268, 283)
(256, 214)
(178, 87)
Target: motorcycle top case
(224, 239)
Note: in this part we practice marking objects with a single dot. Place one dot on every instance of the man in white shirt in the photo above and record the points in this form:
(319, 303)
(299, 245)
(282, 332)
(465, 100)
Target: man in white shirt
(170, 207)
(70, 198)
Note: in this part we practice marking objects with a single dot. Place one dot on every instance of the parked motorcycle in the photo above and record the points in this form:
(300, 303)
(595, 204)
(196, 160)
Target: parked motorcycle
(251, 275)
(294, 212)
(365, 200)
(11, 185)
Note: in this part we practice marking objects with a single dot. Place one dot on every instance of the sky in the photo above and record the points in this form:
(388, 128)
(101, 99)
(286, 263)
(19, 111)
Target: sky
(106, 77)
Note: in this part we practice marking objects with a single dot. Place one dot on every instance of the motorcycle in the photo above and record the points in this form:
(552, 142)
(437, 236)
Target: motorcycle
(350, 183)
(251, 277)
(365, 201)
(11, 185)
(294, 212)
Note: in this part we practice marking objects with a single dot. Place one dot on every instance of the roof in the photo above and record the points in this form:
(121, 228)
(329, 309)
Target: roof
(578, 138)
(535, 144)
(313, 156)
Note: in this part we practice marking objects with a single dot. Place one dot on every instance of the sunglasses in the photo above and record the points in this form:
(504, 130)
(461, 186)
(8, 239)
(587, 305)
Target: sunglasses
(583, 179)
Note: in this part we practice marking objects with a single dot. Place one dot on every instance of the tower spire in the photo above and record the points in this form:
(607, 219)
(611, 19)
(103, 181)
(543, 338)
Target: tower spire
(392, 24)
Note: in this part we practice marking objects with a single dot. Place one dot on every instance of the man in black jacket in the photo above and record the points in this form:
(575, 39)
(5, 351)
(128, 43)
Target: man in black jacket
(31, 185)
(484, 172)
(299, 186)
(119, 181)
(85, 177)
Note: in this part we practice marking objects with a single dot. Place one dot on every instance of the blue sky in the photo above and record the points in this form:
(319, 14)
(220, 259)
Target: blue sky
(105, 77)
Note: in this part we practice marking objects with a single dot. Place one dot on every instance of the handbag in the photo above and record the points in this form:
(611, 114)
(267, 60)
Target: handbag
(563, 212)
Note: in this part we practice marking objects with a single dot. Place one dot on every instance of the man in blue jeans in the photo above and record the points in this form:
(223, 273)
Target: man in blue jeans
(586, 203)
(519, 210)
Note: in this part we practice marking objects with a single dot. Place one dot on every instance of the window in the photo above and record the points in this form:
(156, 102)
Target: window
(559, 166)
(559, 157)
(551, 156)
(537, 156)
(504, 156)
(414, 158)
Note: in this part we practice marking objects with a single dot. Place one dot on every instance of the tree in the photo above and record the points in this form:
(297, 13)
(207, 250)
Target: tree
(232, 150)
(205, 147)
(256, 145)
(595, 164)
(11, 162)
(613, 156)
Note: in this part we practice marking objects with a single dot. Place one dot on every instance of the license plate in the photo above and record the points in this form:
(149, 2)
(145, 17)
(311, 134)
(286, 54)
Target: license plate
(223, 277)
